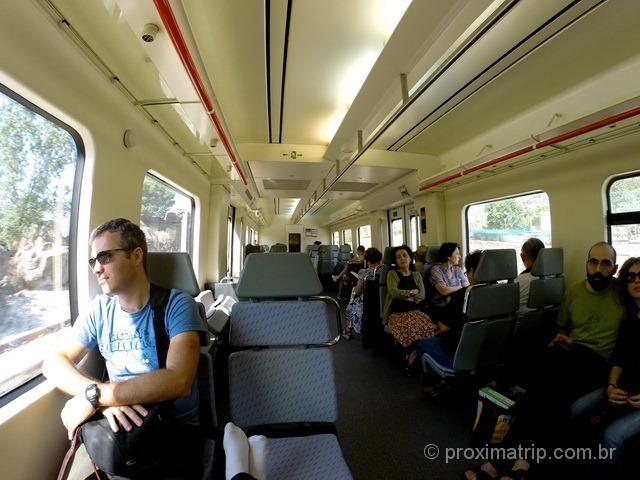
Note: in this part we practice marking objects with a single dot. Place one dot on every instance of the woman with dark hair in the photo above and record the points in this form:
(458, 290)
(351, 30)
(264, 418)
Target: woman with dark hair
(402, 315)
(354, 311)
(447, 276)
(620, 399)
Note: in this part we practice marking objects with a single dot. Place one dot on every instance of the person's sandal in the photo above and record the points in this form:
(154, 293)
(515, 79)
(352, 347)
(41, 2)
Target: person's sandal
(480, 474)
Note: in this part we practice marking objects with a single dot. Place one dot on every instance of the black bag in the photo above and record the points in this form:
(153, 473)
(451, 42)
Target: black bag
(143, 448)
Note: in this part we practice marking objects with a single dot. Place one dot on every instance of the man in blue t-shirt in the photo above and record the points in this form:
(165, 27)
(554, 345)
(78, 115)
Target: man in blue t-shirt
(120, 324)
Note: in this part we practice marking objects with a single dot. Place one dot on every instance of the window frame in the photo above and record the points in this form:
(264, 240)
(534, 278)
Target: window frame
(467, 242)
(192, 201)
(623, 218)
(73, 225)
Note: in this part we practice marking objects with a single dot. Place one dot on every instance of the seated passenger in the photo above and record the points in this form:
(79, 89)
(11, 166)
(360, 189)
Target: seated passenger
(442, 347)
(353, 314)
(577, 361)
(622, 393)
(120, 323)
(402, 315)
(356, 259)
(449, 281)
(528, 254)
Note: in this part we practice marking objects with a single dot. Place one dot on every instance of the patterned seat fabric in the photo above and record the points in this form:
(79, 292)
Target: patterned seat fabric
(282, 386)
(254, 323)
(313, 457)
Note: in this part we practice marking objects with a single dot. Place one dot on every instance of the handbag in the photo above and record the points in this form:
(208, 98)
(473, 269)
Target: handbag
(129, 453)
(143, 448)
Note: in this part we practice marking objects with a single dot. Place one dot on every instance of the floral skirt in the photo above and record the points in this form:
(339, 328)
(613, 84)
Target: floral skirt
(407, 327)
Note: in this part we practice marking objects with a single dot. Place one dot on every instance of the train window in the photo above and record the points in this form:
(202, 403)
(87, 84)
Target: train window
(397, 234)
(348, 239)
(623, 215)
(41, 163)
(335, 238)
(166, 216)
(508, 222)
(364, 236)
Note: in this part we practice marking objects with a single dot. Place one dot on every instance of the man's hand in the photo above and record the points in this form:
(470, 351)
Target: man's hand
(124, 415)
(617, 396)
(634, 401)
(562, 339)
(75, 412)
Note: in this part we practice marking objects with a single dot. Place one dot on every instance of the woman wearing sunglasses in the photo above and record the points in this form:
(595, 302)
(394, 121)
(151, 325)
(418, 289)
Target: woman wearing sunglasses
(619, 402)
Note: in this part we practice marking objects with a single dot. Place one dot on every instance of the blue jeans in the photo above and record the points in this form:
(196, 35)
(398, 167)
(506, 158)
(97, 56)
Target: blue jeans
(433, 346)
(625, 425)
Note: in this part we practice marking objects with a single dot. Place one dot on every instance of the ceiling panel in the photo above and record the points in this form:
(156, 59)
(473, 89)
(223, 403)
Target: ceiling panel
(555, 68)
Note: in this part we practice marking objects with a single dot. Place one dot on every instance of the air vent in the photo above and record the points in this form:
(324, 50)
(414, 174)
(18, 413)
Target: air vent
(352, 186)
(286, 184)
(249, 196)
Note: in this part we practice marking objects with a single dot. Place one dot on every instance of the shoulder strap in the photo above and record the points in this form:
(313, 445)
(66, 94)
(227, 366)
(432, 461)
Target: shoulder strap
(159, 299)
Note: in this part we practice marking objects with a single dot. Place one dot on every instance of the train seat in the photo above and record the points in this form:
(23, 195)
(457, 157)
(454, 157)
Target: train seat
(430, 259)
(545, 296)
(175, 270)
(344, 255)
(489, 310)
(278, 248)
(252, 249)
(281, 374)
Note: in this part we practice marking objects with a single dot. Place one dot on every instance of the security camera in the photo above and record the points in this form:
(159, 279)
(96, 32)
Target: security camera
(149, 32)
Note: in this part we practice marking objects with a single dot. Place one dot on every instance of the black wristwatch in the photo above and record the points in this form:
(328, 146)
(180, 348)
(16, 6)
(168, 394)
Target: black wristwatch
(92, 394)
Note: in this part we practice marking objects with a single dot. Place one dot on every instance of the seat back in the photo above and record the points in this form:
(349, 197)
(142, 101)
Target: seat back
(282, 374)
(545, 295)
(489, 309)
(344, 254)
(420, 257)
(252, 249)
(175, 270)
(172, 270)
(278, 248)
(327, 259)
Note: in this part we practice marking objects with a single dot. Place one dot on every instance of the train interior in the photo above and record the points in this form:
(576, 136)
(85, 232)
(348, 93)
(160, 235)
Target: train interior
(280, 123)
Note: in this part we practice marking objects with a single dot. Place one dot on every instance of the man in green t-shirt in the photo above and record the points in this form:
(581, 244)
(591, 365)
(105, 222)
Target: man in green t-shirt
(577, 361)
(592, 310)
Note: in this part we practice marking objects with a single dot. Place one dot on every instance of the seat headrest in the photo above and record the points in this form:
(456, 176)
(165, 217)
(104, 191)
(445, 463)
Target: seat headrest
(251, 249)
(432, 254)
(283, 275)
(549, 262)
(387, 258)
(345, 248)
(421, 251)
(494, 265)
(278, 248)
(172, 270)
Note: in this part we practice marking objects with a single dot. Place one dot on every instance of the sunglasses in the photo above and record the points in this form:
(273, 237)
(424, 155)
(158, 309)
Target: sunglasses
(104, 256)
(632, 277)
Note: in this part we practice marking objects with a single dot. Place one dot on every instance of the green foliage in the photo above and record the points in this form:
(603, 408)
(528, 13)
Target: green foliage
(506, 214)
(157, 200)
(33, 155)
(625, 195)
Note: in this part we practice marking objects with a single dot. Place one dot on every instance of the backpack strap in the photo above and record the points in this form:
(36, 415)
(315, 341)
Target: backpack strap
(159, 299)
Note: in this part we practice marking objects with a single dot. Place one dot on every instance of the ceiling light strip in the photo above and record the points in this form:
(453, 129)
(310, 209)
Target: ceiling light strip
(471, 35)
(171, 25)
